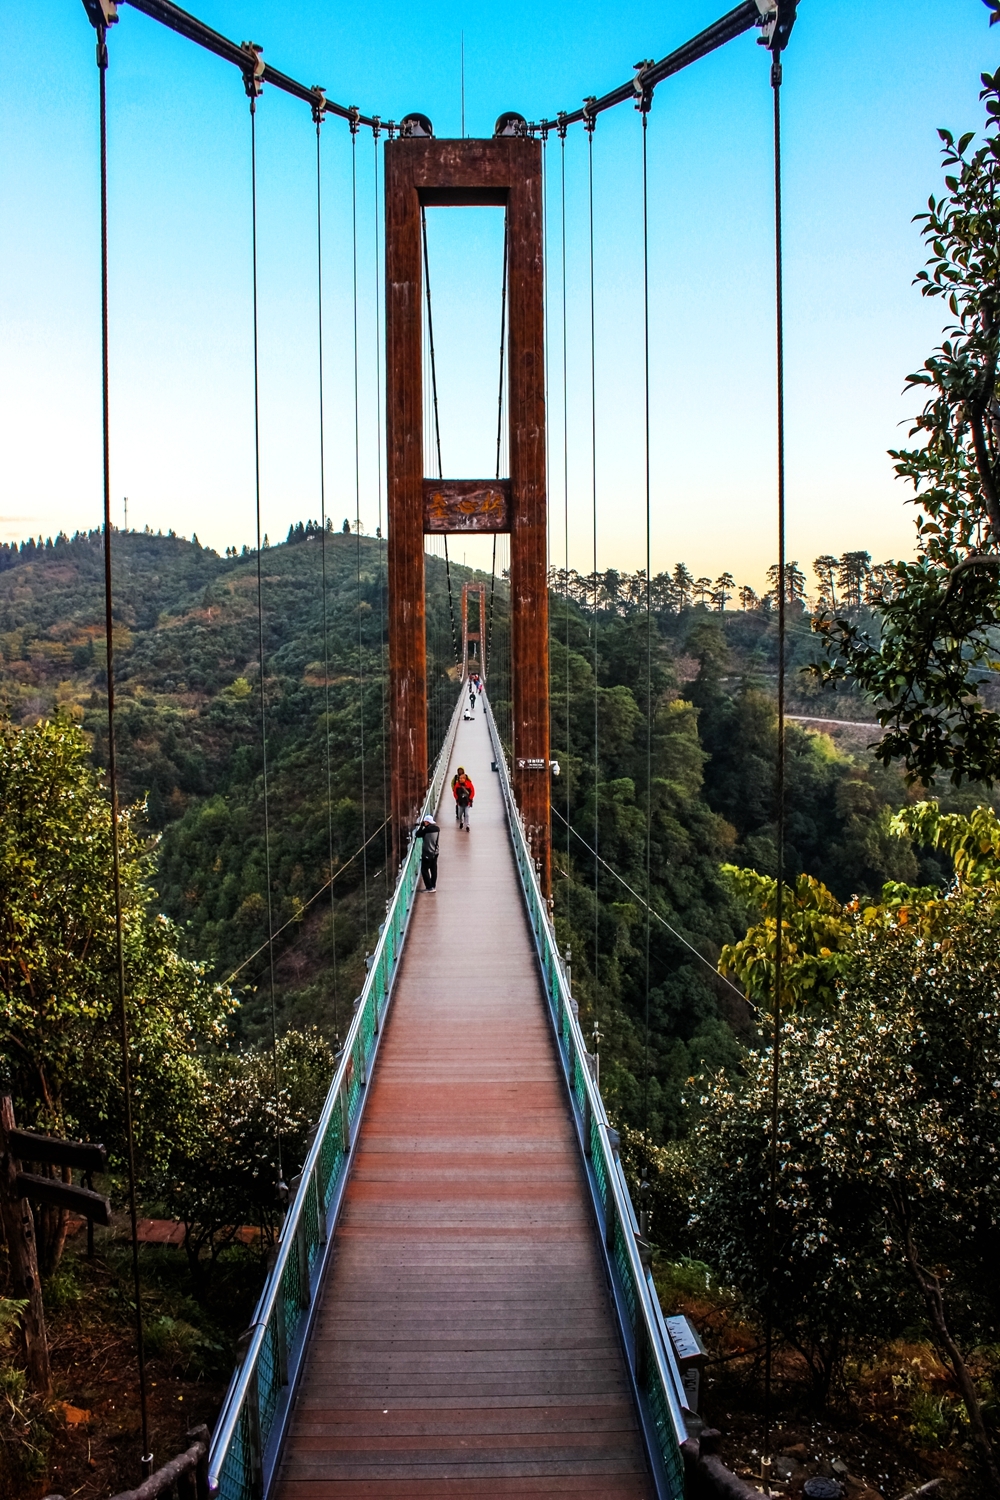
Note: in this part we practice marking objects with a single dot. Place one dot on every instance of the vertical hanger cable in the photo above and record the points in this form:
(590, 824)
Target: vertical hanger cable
(593, 490)
(318, 116)
(649, 605)
(381, 528)
(260, 643)
(140, 1343)
(779, 895)
(357, 521)
(565, 452)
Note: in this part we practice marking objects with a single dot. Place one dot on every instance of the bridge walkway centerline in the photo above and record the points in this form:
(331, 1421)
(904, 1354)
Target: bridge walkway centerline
(465, 1342)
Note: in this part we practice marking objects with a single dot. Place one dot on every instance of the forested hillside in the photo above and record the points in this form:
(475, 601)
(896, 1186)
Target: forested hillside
(189, 731)
(189, 726)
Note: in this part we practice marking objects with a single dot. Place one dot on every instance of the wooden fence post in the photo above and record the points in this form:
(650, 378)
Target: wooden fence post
(19, 1231)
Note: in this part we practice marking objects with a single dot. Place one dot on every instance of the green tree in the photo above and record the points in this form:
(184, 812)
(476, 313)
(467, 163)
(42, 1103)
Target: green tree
(251, 1124)
(58, 985)
(889, 1144)
(723, 591)
(819, 1264)
(825, 568)
(936, 629)
(814, 937)
(913, 1067)
(683, 583)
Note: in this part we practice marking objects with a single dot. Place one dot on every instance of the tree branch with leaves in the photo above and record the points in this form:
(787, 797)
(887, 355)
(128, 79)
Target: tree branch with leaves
(936, 636)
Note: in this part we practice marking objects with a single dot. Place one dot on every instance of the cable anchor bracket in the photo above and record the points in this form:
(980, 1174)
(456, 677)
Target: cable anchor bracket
(253, 73)
(643, 89)
(589, 113)
(318, 104)
(376, 127)
(353, 116)
(561, 126)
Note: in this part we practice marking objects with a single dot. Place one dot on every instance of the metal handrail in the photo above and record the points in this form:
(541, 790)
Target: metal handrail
(652, 1364)
(248, 1434)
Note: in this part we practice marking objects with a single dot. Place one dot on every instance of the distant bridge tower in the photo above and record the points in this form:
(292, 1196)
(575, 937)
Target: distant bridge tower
(474, 636)
(421, 172)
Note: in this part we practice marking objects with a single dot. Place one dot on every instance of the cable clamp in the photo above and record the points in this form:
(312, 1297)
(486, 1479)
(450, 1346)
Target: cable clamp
(390, 127)
(590, 113)
(353, 115)
(376, 127)
(561, 126)
(644, 102)
(101, 13)
(253, 73)
(319, 103)
(777, 17)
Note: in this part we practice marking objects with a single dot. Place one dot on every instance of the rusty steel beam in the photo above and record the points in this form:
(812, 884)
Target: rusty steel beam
(529, 597)
(468, 589)
(405, 475)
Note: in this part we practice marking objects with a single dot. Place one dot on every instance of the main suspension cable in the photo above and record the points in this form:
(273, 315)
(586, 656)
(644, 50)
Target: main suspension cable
(318, 117)
(251, 91)
(146, 1462)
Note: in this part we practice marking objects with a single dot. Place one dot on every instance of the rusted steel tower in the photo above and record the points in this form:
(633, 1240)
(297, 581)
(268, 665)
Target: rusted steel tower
(474, 634)
(421, 172)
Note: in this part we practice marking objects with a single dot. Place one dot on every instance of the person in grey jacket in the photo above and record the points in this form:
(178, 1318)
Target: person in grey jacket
(429, 834)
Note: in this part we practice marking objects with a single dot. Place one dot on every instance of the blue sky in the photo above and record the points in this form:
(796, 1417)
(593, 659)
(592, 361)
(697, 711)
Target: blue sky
(863, 95)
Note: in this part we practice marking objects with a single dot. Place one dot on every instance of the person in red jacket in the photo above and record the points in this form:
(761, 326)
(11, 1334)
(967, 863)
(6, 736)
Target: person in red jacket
(464, 792)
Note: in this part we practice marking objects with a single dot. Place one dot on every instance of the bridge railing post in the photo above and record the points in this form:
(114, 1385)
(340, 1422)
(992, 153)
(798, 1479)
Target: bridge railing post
(255, 1450)
(281, 1339)
(317, 1192)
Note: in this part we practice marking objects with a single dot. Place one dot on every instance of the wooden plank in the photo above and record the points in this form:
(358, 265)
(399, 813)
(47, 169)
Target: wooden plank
(482, 1489)
(464, 1341)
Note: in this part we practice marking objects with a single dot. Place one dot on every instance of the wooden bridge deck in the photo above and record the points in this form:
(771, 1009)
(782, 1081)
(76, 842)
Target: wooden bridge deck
(464, 1343)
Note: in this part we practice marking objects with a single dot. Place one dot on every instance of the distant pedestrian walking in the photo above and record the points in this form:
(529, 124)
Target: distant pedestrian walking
(464, 793)
(429, 834)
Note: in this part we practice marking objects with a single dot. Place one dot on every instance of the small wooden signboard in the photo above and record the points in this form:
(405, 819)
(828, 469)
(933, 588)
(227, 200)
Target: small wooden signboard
(457, 505)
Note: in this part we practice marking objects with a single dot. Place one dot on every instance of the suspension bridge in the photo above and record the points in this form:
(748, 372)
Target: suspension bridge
(461, 1301)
